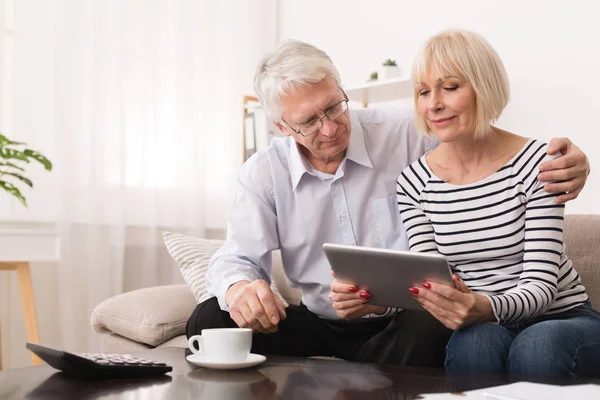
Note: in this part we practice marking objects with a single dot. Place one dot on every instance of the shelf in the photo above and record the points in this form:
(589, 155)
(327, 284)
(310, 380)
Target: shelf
(380, 91)
(28, 244)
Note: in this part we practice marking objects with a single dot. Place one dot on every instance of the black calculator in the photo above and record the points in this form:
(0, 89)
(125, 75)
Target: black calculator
(94, 365)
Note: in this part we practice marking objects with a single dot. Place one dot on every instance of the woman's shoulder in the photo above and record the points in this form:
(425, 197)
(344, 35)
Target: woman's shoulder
(417, 174)
(530, 156)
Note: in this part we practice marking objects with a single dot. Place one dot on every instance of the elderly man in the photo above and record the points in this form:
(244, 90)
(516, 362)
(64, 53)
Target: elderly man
(332, 179)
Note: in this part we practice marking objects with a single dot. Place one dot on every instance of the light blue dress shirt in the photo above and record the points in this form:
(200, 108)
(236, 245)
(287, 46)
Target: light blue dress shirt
(284, 203)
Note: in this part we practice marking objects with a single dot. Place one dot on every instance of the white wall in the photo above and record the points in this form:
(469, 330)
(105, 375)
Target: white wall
(551, 50)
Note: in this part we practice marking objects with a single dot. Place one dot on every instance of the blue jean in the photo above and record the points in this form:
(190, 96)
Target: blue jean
(566, 344)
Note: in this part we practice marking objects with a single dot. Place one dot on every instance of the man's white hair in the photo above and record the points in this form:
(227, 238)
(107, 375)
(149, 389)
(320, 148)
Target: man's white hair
(295, 64)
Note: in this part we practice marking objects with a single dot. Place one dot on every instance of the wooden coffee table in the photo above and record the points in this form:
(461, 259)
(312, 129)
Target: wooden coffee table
(277, 378)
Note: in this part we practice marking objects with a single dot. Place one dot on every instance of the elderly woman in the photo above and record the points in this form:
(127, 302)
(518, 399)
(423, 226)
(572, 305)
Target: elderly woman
(518, 304)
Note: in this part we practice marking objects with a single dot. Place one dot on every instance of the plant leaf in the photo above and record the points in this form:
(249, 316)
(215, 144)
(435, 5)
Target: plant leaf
(12, 189)
(39, 158)
(6, 141)
(8, 153)
(19, 177)
(9, 164)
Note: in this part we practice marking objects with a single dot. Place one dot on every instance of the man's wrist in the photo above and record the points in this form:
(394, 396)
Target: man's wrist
(233, 289)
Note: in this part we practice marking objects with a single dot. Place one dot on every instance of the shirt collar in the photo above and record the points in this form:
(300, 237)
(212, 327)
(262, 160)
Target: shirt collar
(357, 152)
(298, 164)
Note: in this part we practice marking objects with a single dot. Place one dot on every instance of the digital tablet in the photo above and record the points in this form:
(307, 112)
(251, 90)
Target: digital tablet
(387, 274)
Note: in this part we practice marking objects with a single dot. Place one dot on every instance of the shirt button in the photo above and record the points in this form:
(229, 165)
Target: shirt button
(343, 217)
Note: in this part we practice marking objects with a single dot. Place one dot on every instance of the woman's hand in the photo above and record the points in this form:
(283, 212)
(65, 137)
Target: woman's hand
(455, 308)
(569, 171)
(350, 302)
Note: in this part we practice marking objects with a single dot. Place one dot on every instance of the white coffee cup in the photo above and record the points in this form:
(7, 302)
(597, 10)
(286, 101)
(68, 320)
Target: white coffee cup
(223, 344)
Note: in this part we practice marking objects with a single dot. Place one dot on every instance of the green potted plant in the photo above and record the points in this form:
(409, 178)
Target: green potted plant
(13, 157)
(389, 69)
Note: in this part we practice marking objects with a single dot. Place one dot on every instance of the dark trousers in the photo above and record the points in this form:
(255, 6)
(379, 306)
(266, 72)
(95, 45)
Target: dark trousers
(409, 338)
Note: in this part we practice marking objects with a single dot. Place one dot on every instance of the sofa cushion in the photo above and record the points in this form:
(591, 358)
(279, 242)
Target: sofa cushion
(150, 315)
(193, 256)
(112, 343)
(180, 341)
(582, 239)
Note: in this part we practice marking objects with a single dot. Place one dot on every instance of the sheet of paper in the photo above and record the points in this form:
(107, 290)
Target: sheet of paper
(524, 391)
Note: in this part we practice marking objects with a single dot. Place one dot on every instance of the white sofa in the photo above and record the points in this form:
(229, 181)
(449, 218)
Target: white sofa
(156, 317)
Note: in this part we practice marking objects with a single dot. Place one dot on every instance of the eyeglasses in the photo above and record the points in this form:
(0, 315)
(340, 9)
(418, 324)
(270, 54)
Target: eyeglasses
(314, 125)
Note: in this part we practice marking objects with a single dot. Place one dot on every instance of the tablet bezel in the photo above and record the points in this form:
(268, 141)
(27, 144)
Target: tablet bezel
(387, 274)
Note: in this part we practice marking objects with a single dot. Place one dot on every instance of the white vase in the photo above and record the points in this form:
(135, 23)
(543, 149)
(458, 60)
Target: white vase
(389, 72)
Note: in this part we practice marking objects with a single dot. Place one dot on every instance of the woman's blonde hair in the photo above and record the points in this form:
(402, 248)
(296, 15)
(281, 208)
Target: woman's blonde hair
(468, 55)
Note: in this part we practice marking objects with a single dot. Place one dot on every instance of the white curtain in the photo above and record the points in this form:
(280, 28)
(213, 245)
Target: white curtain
(138, 105)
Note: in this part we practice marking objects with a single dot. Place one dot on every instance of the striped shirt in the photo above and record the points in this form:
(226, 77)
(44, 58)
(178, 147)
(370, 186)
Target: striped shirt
(503, 235)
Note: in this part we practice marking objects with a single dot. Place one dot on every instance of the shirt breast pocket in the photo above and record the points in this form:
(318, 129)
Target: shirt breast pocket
(388, 223)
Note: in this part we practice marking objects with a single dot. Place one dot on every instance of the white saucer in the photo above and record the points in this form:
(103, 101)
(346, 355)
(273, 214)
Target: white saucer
(203, 361)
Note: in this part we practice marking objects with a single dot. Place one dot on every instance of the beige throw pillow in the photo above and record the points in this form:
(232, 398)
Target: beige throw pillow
(193, 256)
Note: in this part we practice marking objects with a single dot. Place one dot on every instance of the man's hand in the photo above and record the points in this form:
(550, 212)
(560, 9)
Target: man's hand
(254, 305)
(455, 308)
(572, 169)
(350, 302)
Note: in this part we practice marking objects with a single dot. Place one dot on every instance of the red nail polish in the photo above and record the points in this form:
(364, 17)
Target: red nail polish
(427, 285)
(365, 295)
(353, 289)
(414, 291)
